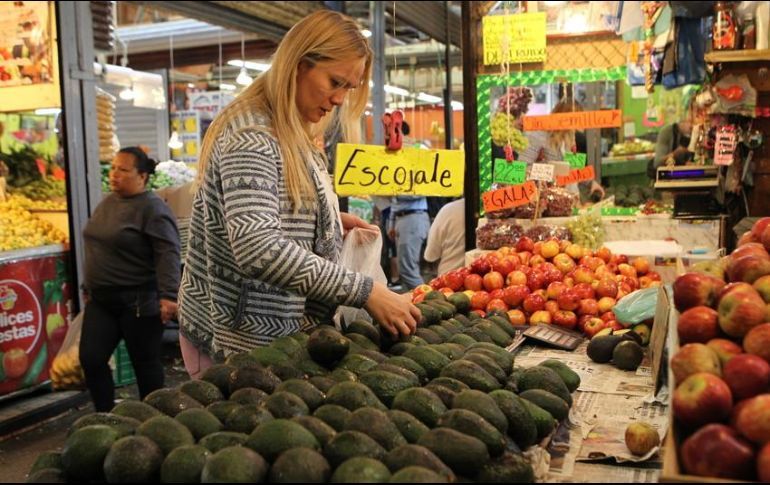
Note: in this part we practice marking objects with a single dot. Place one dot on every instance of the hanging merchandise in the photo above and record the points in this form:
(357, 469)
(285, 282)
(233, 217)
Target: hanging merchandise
(652, 11)
(724, 150)
(685, 59)
(735, 95)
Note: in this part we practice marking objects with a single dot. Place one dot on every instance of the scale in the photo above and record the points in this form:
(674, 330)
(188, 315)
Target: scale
(694, 188)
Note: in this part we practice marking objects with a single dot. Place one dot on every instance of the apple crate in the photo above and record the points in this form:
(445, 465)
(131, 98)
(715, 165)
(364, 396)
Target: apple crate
(123, 374)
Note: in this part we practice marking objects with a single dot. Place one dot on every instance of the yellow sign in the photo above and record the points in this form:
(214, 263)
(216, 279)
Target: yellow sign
(517, 38)
(373, 170)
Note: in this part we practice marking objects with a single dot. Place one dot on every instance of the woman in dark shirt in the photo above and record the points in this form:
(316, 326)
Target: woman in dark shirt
(132, 272)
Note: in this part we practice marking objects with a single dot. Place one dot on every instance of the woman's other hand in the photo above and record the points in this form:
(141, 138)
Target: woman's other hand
(168, 310)
(596, 187)
(394, 312)
(350, 222)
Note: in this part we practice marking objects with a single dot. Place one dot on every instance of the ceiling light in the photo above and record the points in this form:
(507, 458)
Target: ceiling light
(127, 94)
(428, 98)
(226, 87)
(243, 78)
(366, 33)
(254, 66)
(174, 142)
(191, 85)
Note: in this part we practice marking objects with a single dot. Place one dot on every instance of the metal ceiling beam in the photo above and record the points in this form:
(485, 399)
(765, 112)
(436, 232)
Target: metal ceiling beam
(429, 18)
(216, 14)
(254, 49)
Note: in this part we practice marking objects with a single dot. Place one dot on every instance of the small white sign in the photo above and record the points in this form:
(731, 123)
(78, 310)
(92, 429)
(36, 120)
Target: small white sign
(542, 172)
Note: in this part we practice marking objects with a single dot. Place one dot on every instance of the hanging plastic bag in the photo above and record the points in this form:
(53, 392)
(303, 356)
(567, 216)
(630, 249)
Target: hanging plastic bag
(66, 372)
(637, 307)
(360, 253)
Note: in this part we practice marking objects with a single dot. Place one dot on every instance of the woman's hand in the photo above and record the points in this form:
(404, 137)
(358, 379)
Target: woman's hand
(596, 187)
(168, 310)
(350, 222)
(394, 312)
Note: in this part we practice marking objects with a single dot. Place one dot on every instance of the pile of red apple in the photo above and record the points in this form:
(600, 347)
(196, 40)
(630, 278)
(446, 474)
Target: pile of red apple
(722, 370)
(550, 282)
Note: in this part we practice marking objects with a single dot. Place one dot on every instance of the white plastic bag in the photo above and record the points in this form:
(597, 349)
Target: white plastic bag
(360, 253)
(65, 371)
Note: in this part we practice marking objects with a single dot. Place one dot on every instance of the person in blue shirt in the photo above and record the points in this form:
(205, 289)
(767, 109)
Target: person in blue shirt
(408, 225)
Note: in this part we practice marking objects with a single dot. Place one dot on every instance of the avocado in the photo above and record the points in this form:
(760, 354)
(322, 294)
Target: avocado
(285, 405)
(603, 332)
(301, 337)
(242, 360)
(488, 364)
(416, 474)
(428, 335)
(287, 371)
(85, 449)
(362, 342)
(135, 409)
(460, 301)
(372, 354)
(327, 346)
(200, 422)
(222, 409)
(217, 441)
(289, 346)
(353, 395)
(349, 444)
(357, 364)
(133, 459)
(509, 468)
(474, 317)
(498, 336)
(643, 330)
(235, 464)
(248, 395)
(272, 438)
(462, 339)
(471, 374)
(430, 315)
(310, 367)
(472, 424)
(47, 459)
(202, 391)
(464, 321)
(498, 313)
(521, 425)
(396, 370)
(454, 328)
(322, 431)
(257, 377)
(322, 383)
(571, 378)
(600, 348)
(453, 351)
(629, 334)
(464, 454)
(544, 422)
(300, 465)
(453, 384)
(364, 328)
(246, 418)
(544, 378)
(184, 464)
(219, 375)
(47, 475)
(401, 348)
(443, 333)
(435, 295)
(627, 355)
(342, 375)
(410, 427)
(123, 425)
(555, 406)
(420, 403)
(503, 323)
(504, 361)
(429, 359)
(477, 335)
(513, 379)
(386, 385)
(361, 469)
(506, 364)
(483, 405)
(375, 424)
(170, 401)
(415, 455)
(166, 432)
(333, 415)
(446, 394)
(445, 309)
(305, 391)
(267, 356)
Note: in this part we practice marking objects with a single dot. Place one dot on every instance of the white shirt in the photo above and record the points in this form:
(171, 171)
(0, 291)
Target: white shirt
(446, 240)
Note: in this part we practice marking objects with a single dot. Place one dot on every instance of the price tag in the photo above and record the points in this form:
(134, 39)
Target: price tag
(576, 176)
(509, 197)
(510, 172)
(724, 148)
(575, 160)
(542, 172)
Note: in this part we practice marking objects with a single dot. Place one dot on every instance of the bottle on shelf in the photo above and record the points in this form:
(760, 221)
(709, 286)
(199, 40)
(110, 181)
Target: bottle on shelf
(724, 30)
(749, 32)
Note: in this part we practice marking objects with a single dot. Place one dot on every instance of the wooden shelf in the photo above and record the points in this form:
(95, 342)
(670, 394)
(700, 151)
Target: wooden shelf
(738, 56)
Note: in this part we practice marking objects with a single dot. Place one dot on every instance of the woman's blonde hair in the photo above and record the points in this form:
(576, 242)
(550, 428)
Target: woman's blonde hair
(320, 38)
(559, 138)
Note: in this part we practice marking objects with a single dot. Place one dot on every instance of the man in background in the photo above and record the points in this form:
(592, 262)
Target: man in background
(446, 240)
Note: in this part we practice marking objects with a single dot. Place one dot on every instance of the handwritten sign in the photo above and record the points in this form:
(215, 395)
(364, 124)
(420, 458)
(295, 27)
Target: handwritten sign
(576, 176)
(542, 172)
(515, 38)
(579, 120)
(510, 172)
(724, 148)
(509, 197)
(575, 160)
(373, 170)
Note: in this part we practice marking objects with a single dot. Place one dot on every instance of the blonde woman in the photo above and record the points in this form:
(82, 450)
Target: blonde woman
(266, 231)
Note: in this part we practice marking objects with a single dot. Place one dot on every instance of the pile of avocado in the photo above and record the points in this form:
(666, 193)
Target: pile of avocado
(632, 196)
(446, 404)
(623, 348)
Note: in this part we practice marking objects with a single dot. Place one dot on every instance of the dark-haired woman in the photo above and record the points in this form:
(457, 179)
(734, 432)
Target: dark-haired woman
(132, 272)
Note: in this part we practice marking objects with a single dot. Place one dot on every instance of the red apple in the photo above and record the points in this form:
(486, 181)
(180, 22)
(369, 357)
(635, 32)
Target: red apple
(564, 263)
(759, 227)
(569, 300)
(627, 270)
(550, 249)
(553, 275)
(748, 268)
(533, 303)
(473, 282)
(654, 276)
(583, 274)
(641, 265)
(493, 281)
(765, 239)
(608, 316)
(536, 260)
(614, 325)
(762, 285)
(757, 341)
(454, 280)
(592, 326)
(480, 313)
(536, 280)
(725, 349)
(480, 300)
(693, 289)
(593, 263)
(525, 244)
(584, 290)
(644, 282)
(753, 420)
(496, 304)
(763, 464)
(747, 375)
(700, 399)
(514, 295)
(555, 289)
(422, 289)
(692, 359)
(446, 290)
(418, 298)
(551, 306)
(496, 294)
(750, 248)
(698, 325)
(481, 266)
(540, 317)
(606, 304)
(524, 257)
(607, 287)
(516, 277)
(565, 319)
(564, 244)
(746, 238)
(541, 292)
(604, 253)
(503, 266)
(517, 317)
(574, 251)
(740, 310)
(641, 438)
(437, 283)
(569, 281)
(588, 306)
(717, 451)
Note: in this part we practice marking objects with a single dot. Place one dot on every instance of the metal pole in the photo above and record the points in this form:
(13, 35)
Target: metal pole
(470, 39)
(448, 111)
(377, 21)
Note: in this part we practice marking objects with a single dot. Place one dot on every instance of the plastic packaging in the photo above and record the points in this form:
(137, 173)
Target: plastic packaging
(360, 253)
(495, 235)
(544, 232)
(560, 202)
(637, 306)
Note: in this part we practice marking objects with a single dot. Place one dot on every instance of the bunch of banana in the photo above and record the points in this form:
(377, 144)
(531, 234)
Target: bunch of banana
(66, 372)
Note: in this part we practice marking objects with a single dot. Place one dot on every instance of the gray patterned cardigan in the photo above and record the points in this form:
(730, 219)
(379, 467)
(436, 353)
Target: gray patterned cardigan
(254, 269)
